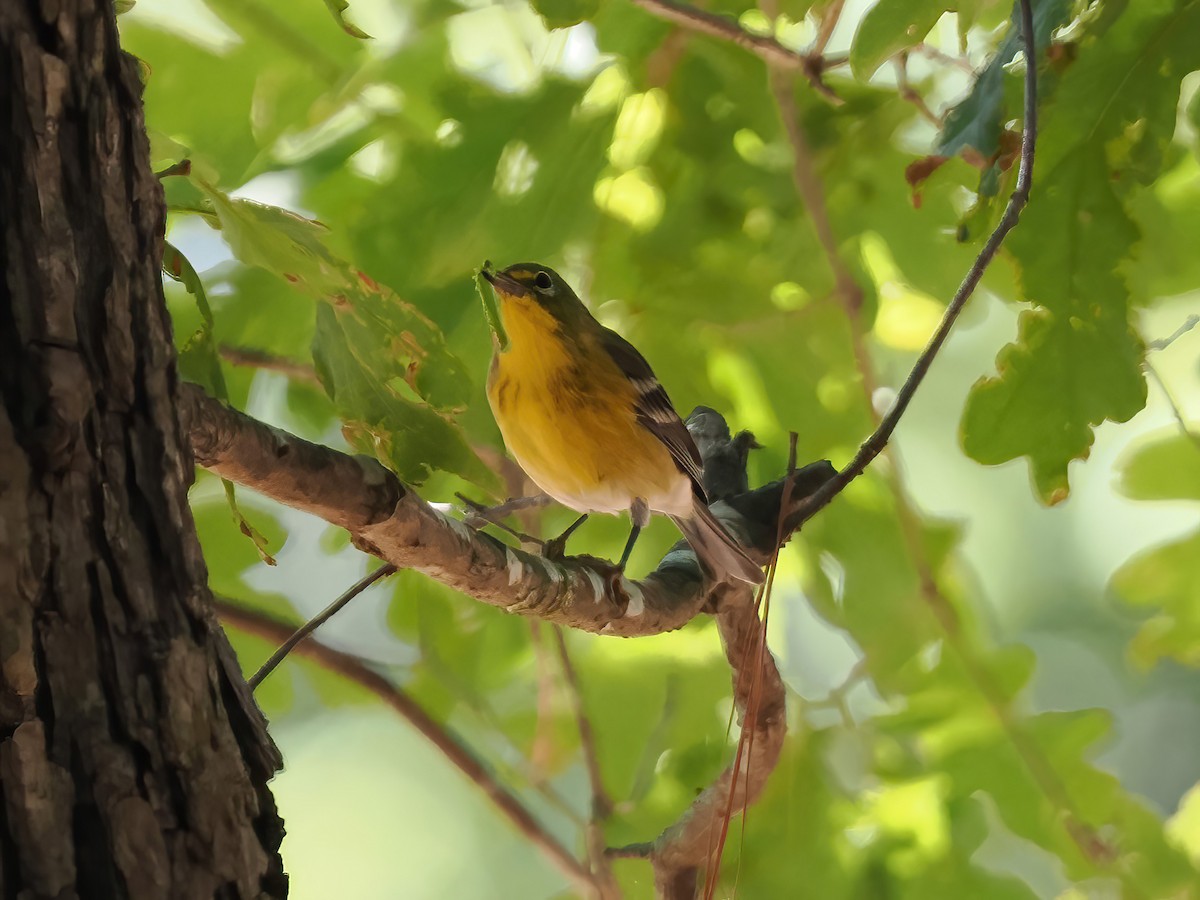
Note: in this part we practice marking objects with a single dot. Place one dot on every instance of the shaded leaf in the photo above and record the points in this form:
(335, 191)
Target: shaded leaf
(976, 121)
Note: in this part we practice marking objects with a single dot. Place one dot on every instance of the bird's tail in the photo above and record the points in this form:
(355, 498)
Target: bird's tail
(716, 549)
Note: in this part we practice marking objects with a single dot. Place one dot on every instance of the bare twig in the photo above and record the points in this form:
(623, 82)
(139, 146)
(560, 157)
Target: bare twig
(260, 359)
(812, 195)
(541, 748)
(1191, 435)
(704, 22)
(745, 746)
(829, 23)
(933, 53)
(449, 745)
(316, 622)
(1163, 343)
(910, 95)
(494, 515)
(874, 445)
(601, 803)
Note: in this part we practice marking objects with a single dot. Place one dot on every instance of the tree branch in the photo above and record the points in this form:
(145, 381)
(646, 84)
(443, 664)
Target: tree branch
(251, 358)
(388, 519)
(874, 445)
(718, 26)
(353, 669)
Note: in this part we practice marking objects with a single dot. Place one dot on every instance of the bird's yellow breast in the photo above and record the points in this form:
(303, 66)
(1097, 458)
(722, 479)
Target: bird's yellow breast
(568, 417)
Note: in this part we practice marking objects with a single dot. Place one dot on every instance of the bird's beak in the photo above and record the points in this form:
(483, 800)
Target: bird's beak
(503, 284)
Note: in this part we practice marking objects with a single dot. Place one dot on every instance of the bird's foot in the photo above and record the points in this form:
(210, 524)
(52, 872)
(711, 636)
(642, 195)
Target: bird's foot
(556, 548)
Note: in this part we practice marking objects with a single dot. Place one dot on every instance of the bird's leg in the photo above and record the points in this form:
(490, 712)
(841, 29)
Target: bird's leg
(555, 547)
(640, 513)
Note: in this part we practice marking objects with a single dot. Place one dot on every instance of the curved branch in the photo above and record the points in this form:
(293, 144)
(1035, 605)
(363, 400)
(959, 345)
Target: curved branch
(388, 519)
(812, 65)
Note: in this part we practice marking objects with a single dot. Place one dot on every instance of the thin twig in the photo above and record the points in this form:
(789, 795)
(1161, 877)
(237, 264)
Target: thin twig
(1163, 343)
(494, 515)
(704, 22)
(602, 805)
(933, 53)
(1191, 435)
(874, 445)
(261, 359)
(812, 195)
(448, 744)
(829, 23)
(910, 95)
(541, 748)
(509, 760)
(316, 622)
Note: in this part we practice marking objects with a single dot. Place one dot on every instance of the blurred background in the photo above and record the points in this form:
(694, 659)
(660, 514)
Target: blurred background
(1043, 746)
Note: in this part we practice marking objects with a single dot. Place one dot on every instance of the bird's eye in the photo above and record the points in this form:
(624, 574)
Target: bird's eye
(543, 281)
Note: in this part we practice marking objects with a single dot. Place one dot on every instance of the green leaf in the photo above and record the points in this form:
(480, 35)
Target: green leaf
(1078, 364)
(490, 311)
(199, 362)
(381, 415)
(1071, 240)
(1062, 376)
(565, 13)
(1122, 93)
(338, 9)
(976, 121)
(1166, 467)
(889, 27)
(1165, 579)
(198, 359)
(384, 364)
(1102, 133)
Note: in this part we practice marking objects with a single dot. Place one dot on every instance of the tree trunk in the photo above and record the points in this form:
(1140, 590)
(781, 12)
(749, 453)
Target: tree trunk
(133, 762)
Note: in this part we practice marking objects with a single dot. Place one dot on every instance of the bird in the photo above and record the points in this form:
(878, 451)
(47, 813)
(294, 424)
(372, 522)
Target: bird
(583, 414)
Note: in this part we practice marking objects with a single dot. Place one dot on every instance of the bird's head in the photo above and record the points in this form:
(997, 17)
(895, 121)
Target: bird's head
(534, 283)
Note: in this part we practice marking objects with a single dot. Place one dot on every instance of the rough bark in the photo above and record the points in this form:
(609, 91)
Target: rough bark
(132, 762)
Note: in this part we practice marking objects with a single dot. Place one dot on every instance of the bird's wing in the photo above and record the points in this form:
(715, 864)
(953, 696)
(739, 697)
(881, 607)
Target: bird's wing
(654, 409)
